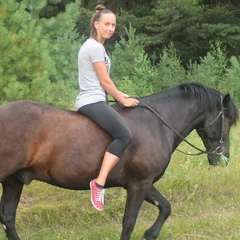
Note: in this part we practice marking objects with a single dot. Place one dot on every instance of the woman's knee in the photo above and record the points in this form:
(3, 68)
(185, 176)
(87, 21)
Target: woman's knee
(127, 137)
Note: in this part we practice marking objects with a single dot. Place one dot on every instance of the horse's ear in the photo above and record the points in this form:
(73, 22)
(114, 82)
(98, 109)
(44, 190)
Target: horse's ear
(226, 100)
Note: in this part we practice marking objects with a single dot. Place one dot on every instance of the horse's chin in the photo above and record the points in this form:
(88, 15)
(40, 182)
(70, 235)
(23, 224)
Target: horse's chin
(218, 161)
(213, 160)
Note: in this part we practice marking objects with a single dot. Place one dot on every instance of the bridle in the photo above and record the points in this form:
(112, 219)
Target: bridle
(219, 148)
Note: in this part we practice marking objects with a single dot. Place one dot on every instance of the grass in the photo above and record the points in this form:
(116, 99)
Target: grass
(205, 204)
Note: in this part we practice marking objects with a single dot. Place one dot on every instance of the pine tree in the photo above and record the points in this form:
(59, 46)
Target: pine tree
(38, 55)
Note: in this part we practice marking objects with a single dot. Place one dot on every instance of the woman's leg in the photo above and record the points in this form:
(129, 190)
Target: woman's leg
(109, 161)
(107, 118)
(97, 185)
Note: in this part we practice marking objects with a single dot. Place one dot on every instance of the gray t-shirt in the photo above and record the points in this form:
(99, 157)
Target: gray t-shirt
(91, 90)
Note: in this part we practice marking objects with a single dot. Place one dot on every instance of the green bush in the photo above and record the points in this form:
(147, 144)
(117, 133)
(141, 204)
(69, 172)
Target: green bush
(170, 70)
(131, 68)
(232, 81)
(38, 56)
(217, 71)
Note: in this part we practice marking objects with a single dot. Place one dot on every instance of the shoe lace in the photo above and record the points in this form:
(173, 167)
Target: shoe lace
(100, 196)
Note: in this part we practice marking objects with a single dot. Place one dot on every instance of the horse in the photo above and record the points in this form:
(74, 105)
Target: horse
(65, 149)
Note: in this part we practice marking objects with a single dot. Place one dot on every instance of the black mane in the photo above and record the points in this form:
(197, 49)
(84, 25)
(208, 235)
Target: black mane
(209, 98)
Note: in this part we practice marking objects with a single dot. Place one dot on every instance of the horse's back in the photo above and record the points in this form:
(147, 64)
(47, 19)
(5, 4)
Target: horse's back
(38, 136)
(57, 146)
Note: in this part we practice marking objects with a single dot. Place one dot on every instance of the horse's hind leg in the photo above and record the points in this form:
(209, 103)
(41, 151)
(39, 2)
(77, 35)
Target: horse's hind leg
(12, 189)
(164, 206)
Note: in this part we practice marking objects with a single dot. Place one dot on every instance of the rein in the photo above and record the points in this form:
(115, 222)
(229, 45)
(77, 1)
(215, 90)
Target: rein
(177, 133)
(218, 150)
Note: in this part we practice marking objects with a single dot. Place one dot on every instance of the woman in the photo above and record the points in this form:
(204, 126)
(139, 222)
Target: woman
(95, 84)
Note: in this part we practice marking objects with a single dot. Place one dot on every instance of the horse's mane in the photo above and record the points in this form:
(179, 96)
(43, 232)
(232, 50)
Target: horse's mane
(209, 98)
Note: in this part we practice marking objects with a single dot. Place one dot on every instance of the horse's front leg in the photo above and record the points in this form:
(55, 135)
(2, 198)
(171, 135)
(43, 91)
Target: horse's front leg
(164, 206)
(136, 194)
(11, 192)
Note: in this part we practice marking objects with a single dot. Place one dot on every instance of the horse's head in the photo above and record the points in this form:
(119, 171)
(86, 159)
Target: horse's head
(215, 130)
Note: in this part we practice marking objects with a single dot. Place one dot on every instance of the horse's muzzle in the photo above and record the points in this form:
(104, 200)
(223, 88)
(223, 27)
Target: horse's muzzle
(218, 159)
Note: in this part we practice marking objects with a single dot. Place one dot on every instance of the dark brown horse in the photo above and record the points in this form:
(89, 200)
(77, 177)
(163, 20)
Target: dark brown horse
(65, 149)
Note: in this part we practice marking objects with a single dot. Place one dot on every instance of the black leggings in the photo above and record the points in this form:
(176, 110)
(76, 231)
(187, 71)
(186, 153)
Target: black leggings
(107, 118)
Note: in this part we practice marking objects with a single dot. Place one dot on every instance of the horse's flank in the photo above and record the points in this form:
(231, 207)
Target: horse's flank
(65, 147)
(52, 140)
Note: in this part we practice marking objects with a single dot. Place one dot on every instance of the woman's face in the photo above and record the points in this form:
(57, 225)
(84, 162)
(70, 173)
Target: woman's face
(105, 26)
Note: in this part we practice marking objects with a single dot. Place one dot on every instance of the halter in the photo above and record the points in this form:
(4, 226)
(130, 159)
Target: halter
(218, 150)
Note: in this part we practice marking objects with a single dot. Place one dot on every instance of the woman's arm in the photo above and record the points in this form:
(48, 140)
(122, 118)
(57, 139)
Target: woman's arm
(110, 87)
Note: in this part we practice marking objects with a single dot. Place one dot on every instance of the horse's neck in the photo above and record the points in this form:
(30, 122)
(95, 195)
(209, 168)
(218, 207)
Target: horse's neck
(179, 113)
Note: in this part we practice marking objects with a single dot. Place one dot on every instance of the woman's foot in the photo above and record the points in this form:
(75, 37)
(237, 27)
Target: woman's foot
(97, 195)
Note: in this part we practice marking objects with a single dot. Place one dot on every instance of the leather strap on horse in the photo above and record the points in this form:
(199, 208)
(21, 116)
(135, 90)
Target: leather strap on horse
(183, 138)
(177, 133)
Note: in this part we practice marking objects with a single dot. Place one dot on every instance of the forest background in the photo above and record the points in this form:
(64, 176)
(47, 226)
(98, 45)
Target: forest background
(157, 44)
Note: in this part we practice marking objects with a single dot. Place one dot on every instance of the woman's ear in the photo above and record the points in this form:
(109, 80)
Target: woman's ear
(96, 25)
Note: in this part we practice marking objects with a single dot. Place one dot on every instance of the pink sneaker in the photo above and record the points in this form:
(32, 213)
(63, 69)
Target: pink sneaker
(97, 196)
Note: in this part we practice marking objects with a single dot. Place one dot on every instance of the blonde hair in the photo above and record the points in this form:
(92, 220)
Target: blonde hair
(99, 10)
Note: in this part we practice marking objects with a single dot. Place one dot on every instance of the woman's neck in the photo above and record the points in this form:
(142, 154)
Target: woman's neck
(100, 40)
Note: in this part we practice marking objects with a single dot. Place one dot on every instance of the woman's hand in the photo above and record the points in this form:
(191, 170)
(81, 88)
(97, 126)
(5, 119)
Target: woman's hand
(110, 88)
(130, 102)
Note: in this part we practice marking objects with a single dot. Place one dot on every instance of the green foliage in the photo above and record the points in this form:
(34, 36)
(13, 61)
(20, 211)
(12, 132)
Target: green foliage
(215, 70)
(38, 56)
(211, 69)
(22, 53)
(170, 70)
(173, 21)
(134, 74)
(40, 44)
(60, 32)
(231, 83)
(131, 68)
(190, 24)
